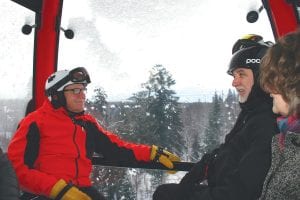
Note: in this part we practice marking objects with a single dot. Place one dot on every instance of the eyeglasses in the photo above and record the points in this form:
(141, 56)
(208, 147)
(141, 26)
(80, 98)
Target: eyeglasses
(76, 90)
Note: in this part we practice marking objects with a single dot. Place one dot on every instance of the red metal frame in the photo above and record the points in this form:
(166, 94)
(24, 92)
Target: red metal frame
(282, 16)
(46, 47)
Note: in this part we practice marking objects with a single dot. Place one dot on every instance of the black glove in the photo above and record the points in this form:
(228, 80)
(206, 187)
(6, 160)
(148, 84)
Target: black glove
(197, 174)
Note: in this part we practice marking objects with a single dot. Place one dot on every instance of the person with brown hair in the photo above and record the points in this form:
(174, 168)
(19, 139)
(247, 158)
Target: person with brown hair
(280, 76)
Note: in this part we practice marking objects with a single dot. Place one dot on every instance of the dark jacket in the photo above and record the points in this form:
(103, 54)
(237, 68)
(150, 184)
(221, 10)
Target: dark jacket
(49, 145)
(283, 179)
(241, 164)
(9, 189)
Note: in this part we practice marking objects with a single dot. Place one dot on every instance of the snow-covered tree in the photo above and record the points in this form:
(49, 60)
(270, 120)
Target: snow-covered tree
(97, 105)
(161, 118)
(213, 131)
(230, 112)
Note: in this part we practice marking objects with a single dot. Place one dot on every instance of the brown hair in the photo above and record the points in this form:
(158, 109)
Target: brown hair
(280, 70)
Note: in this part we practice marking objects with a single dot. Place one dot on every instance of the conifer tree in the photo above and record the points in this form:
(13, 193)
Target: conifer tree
(97, 105)
(161, 118)
(113, 183)
(213, 132)
(231, 110)
(196, 149)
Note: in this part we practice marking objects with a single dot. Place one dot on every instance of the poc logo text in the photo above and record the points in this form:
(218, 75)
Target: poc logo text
(252, 60)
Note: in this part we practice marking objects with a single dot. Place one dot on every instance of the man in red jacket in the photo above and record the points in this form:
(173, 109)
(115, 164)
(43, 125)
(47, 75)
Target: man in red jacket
(52, 148)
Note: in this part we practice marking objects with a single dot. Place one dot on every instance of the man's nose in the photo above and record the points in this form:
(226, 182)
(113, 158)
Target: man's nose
(235, 81)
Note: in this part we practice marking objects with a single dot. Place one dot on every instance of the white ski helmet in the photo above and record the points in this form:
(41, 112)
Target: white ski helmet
(57, 81)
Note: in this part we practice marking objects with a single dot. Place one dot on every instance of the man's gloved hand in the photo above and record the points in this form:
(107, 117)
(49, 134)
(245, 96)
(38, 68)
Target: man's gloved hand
(165, 157)
(197, 174)
(63, 191)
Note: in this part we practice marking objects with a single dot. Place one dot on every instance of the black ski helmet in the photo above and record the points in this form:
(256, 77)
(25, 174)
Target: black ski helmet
(57, 81)
(249, 58)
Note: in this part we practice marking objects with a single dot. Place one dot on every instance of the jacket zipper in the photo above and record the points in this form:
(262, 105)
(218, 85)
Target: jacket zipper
(78, 153)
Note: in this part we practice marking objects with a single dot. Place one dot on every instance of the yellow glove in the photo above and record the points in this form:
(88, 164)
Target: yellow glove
(164, 157)
(63, 191)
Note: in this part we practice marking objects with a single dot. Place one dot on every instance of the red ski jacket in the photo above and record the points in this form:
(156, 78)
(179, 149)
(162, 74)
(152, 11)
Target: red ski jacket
(50, 145)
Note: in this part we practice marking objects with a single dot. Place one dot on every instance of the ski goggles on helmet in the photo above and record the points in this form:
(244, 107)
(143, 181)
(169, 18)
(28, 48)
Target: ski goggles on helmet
(77, 75)
(250, 40)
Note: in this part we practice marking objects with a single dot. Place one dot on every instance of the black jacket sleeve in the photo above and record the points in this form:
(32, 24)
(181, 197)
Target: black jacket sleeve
(9, 189)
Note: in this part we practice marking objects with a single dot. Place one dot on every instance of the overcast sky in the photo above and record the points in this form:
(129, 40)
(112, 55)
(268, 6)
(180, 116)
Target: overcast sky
(120, 41)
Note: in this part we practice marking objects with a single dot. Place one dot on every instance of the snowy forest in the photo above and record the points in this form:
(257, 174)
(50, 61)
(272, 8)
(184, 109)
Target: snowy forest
(153, 115)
